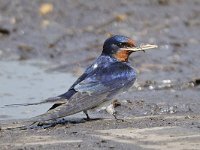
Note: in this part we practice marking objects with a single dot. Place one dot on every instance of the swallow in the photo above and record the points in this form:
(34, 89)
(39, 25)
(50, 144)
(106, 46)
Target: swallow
(109, 75)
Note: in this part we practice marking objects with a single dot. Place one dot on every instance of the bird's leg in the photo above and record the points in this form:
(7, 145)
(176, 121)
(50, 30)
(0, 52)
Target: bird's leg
(115, 115)
(88, 117)
(111, 109)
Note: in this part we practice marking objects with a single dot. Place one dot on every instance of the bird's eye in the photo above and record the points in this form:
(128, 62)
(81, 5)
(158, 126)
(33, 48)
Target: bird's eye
(121, 44)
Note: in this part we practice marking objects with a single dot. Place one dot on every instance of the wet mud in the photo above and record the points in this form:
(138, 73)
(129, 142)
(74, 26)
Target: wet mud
(42, 42)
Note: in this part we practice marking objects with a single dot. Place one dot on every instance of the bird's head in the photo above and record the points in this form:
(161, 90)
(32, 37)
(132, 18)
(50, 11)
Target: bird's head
(120, 47)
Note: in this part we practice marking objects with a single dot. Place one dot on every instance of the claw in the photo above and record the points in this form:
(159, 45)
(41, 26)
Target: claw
(117, 119)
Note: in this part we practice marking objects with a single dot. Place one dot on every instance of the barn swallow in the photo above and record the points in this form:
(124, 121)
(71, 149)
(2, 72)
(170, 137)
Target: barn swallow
(109, 75)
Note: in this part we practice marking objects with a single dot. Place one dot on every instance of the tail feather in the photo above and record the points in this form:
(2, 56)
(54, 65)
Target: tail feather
(49, 100)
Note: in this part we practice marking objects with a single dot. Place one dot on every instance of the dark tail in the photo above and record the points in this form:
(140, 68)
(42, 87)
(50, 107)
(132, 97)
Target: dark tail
(49, 100)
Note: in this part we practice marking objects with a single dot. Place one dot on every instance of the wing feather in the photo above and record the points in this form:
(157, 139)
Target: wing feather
(92, 91)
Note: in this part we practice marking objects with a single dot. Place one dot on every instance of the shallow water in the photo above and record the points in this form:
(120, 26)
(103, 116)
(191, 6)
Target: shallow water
(27, 82)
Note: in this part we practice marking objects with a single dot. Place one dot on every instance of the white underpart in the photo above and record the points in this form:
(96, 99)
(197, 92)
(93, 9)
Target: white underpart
(102, 106)
(107, 106)
(110, 109)
(95, 66)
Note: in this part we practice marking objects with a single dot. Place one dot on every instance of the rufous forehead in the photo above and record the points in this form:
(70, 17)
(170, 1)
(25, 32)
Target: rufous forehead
(131, 42)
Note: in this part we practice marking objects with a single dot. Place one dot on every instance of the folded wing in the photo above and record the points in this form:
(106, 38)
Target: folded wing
(93, 91)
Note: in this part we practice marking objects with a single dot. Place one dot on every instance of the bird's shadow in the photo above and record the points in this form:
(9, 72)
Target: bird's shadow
(46, 125)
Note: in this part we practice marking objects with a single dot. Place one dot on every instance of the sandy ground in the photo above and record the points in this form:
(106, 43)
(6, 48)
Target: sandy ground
(162, 111)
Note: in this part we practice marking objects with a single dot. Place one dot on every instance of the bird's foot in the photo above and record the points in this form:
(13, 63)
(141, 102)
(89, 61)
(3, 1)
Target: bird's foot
(87, 118)
(117, 119)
